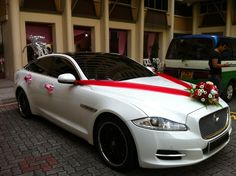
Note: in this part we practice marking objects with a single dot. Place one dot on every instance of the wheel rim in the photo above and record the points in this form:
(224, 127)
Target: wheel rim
(230, 91)
(113, 144)
(22, 104)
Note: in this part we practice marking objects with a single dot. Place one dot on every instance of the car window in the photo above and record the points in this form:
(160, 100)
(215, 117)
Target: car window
(60, 66)
(41, 66)
(111, 67)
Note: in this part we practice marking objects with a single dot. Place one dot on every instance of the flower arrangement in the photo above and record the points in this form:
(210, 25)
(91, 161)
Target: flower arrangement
(205, 92)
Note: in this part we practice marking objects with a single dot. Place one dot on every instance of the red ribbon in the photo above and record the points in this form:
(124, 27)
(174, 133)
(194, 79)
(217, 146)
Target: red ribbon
(138, 86)
(177, 81)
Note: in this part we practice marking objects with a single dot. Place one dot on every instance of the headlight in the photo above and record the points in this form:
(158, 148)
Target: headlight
(158, 123)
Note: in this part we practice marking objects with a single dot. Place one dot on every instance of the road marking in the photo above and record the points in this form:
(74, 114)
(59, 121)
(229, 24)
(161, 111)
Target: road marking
(233, 115)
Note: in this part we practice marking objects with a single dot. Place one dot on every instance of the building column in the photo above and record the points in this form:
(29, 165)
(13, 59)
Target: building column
(171, 11)
(105, 44)
(140, 31)
(195, 18)
(228, 17)
(14, 24)
(68, 27)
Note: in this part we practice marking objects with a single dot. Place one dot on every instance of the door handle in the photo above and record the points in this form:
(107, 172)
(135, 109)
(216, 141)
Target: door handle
(49, 87)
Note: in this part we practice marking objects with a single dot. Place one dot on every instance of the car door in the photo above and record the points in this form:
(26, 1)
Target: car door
(35, 78)
(64, 100)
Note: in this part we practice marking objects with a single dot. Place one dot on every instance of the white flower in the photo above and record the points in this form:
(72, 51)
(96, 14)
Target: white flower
(210, 83)
(201, 86)
(210, 96)
(203, 99)
(199, 93)
(213, 92)
(205, 92)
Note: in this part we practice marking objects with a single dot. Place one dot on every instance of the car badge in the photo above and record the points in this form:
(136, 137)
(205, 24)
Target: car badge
(216, 118)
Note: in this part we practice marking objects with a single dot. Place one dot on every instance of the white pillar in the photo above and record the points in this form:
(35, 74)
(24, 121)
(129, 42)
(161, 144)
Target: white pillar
(195, 18)
(171, 11)
(68, 27)
(228, 17)
(14, 21)
(140, 32)
(105, 26)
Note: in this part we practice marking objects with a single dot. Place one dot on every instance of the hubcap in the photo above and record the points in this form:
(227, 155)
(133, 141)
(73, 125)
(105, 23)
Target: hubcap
(113, 144)
(230, 90)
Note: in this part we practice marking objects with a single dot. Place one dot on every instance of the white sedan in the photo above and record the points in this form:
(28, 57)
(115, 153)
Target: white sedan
(130, 114)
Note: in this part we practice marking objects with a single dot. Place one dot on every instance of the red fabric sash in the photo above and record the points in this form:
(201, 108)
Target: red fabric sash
(177, 81)
(138, 86)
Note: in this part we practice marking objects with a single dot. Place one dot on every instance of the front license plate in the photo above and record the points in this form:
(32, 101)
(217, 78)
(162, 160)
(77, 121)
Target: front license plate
(186, 74)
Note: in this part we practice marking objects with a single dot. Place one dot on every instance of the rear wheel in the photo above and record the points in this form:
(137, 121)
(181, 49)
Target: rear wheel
(115, 144)
(229, 92)
(23, 104)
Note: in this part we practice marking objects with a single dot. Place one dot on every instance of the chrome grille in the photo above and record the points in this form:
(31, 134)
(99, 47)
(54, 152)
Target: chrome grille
(213, 124)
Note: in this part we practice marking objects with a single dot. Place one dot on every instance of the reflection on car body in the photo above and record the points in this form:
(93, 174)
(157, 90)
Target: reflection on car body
(127, 122)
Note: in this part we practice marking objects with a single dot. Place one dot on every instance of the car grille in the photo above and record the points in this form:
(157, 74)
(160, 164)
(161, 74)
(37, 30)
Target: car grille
(213, 124)
(212, 145)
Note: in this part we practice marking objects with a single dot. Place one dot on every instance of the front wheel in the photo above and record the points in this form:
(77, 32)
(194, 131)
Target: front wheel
(229, 92)
(115, 144)
(23, 104)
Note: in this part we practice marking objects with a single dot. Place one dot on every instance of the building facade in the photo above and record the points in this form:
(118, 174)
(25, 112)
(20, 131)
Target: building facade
(136, 28)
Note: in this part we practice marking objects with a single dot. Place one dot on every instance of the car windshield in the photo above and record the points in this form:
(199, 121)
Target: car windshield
(190, 49)
(110, 67)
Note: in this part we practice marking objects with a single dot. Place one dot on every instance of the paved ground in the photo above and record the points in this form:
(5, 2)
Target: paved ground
(38, 147)
(6, 91)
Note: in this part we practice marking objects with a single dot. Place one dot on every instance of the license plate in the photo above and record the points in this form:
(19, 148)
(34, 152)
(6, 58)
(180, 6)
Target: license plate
(186, 74)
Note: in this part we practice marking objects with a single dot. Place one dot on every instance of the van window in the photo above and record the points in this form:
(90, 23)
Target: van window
(190, 49)
(234, 49)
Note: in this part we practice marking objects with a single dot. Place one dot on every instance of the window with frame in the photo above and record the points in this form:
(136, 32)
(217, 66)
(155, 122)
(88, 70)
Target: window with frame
(121, 1)
(41, 66)
(213, 7)
(156, 4)
(60, 66)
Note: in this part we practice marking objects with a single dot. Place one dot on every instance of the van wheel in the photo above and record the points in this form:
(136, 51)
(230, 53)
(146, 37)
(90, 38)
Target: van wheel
(229, 92)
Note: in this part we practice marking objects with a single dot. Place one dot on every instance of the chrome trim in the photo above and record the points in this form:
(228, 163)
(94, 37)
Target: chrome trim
(88, 108)
(171, 155)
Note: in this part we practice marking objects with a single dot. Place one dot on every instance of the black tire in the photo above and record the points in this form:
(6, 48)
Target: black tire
(229, 92)
(23, 105)
(115, 144)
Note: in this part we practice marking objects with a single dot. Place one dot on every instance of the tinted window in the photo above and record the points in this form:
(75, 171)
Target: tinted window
(234, 49)
(111, 67)
(41, 66)
(190, 49)
(227, 53)
(60, 66)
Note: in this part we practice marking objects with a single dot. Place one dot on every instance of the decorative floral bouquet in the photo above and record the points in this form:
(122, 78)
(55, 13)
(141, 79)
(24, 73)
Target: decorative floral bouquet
(206, 92)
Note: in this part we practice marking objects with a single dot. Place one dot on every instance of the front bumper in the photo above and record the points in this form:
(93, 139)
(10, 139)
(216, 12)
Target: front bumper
(164, 149)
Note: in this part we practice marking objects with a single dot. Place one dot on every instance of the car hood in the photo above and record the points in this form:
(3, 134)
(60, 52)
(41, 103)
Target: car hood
(155, 103)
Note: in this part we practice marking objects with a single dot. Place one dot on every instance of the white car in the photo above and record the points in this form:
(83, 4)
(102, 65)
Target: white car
(129, 113)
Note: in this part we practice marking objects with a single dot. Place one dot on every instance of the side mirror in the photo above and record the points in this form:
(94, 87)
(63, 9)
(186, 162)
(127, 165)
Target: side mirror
(66, 78)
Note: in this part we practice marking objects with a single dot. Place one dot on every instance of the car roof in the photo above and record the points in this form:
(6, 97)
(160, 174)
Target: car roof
(92, 54)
